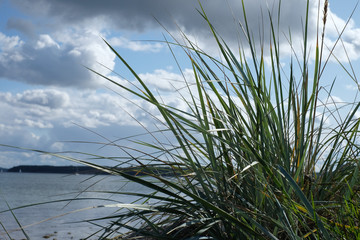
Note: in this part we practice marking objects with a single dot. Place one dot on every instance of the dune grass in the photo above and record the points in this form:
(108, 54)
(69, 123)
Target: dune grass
(254, 157)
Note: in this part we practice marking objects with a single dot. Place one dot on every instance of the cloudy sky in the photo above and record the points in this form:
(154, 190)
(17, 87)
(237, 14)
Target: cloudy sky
(48, 97)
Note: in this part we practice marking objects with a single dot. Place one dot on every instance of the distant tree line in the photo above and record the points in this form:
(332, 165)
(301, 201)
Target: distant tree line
(140, 171)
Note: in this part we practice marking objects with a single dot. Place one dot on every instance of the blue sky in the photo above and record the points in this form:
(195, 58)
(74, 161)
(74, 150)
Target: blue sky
(48, 97)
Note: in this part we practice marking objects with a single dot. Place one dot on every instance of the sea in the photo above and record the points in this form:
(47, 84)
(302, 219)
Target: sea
(25, 207)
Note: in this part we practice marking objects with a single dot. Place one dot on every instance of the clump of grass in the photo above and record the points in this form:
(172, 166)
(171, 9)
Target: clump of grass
(253, 158)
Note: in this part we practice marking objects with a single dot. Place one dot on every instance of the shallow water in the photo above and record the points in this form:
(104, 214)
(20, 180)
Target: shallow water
(60, 220)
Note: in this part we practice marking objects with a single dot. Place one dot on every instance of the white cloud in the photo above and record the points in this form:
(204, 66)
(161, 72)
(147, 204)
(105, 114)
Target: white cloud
(57, 146)
(333, 102)
(32, 123)
(9, 43)
(43, 118)
(352, 87)
(348, 48)
(167, 81)
(48, 108)
(136, 46)
(46, 41)
(51, 98)
(56, 59)
(8, 48)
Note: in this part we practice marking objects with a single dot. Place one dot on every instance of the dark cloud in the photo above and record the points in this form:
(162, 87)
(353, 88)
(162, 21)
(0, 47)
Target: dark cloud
(57, 60)
(21, 25)
(72, 35)
(41, 69)
(132, 15)
(138, 15)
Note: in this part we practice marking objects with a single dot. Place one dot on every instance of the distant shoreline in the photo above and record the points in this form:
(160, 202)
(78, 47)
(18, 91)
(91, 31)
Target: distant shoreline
(55, 169)
(164, 171)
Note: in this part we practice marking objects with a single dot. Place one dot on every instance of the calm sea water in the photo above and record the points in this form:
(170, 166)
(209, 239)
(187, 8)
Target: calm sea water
(61, 220)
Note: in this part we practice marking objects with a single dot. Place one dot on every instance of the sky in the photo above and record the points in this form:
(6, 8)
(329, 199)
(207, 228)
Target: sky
(49, 100)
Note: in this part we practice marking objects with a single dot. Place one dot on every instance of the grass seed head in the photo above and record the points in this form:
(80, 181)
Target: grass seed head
(326, 4)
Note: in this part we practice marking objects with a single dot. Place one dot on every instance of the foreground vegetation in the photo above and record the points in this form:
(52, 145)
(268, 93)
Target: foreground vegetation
(256, 160)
